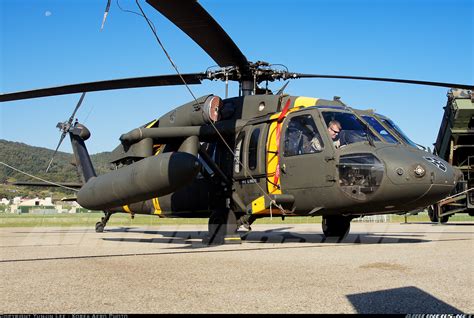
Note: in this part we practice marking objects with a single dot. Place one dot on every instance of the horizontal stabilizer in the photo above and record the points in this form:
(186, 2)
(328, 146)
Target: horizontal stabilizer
(69, 199)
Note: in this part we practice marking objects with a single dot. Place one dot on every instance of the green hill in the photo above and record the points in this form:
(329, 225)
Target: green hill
(34, 160)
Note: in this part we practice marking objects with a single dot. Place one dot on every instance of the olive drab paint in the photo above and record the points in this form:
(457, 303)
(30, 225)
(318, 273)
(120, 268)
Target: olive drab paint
(258, 154)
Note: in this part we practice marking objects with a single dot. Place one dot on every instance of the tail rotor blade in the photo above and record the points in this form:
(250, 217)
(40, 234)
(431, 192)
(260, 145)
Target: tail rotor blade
(77, 107)
(55, 151)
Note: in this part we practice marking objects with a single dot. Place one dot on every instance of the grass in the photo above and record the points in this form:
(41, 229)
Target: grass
(121, 219)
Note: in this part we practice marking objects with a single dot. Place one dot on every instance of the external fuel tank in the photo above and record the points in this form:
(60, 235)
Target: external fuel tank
(145, 179)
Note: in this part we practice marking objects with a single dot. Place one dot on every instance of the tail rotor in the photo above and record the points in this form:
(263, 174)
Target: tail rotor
(65, 127)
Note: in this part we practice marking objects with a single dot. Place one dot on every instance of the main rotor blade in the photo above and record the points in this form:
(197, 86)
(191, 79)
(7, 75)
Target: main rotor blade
(192, 19)
(381, 79)
(44, 184)
(134, 82)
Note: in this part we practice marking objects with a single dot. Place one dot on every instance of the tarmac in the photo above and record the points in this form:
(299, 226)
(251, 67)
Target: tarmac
(379, 268)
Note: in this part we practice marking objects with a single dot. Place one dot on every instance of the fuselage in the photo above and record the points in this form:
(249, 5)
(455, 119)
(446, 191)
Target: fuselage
(274, 155)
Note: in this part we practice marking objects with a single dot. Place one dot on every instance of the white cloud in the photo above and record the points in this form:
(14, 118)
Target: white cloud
(48, 13)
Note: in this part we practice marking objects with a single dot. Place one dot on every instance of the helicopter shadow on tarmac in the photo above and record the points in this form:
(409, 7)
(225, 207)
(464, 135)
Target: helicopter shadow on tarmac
(273, 236)
(402, 300)
(443, 224)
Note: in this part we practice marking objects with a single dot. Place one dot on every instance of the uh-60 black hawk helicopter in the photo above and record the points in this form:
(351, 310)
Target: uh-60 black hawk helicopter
(259, 154)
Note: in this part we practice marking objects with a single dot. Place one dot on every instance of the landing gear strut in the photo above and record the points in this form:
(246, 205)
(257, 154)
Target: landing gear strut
(337, 226)
(222, 228)
(99, 226)
(246, 221)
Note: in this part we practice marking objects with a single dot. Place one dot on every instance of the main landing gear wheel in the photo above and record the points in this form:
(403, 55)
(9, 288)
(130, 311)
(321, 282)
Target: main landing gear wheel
(100, 226)
(433, 214)
(246, 221)
(222, 228)
(336, 226)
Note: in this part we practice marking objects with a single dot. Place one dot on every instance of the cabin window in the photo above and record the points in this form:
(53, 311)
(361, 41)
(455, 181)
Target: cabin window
(302, 137)
(253, 148)
(238, 154)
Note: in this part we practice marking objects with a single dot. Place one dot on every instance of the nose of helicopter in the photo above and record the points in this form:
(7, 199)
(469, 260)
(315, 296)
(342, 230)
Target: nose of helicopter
(420, 177)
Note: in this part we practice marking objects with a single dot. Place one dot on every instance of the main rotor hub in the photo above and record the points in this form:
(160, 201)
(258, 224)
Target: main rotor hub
(257, 72)
(251, 75)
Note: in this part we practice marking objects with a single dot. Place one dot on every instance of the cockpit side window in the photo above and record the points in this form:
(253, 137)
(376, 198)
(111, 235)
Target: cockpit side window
(302, 137)
(374, 123)
(352, 128)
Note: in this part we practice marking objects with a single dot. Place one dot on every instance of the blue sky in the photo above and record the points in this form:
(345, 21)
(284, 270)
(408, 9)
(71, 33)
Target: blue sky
(56, 42)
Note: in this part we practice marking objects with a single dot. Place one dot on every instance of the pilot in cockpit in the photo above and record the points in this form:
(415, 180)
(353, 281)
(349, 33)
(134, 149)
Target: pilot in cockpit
(302, 137)
(334, 128)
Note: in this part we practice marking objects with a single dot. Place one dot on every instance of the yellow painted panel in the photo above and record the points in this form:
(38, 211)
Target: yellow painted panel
(305, 101)
(156, 205)
(258, 205)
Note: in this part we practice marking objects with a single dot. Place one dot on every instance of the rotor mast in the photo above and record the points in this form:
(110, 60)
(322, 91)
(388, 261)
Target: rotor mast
(246, 88)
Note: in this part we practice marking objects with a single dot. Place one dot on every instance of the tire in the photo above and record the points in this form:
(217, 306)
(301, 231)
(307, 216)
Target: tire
(99, 227)
(444, 219)
(337, 226)
(432, 215)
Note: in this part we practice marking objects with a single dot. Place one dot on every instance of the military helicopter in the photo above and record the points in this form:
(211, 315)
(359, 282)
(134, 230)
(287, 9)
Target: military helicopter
(260, 154)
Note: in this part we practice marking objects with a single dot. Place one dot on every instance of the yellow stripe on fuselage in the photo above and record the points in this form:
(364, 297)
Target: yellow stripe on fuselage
(272, 159)
(151, 124)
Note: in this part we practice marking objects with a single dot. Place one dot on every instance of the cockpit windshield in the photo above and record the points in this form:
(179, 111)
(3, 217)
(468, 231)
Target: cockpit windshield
(352, 129)
(398, 131)
(377, 126)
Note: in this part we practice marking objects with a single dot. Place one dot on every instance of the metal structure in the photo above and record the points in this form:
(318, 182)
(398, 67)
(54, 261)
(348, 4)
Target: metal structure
(455, 144)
